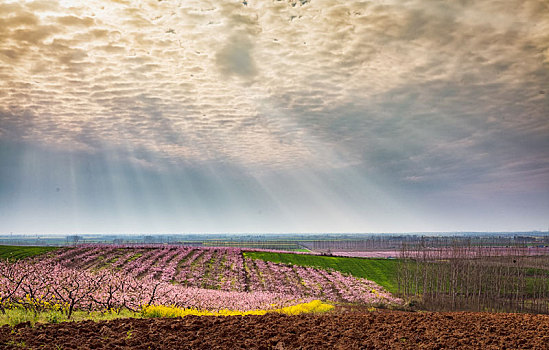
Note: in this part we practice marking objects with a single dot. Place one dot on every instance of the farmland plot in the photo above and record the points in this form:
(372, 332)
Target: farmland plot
(225, 269)
(98, 277)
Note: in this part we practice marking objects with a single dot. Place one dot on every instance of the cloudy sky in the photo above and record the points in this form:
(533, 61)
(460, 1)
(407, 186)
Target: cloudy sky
(274, 116)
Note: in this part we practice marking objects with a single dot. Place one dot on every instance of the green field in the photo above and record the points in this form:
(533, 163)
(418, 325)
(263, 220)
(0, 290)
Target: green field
(381, 271)
(20, 252)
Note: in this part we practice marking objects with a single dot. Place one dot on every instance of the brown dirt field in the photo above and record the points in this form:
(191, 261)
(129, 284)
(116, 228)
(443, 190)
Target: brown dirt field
(352, 330)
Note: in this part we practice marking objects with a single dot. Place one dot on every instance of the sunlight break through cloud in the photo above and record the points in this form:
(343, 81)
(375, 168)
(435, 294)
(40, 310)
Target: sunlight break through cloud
(408, 109)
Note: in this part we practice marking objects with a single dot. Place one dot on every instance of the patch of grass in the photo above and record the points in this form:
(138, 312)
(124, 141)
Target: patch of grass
(19, 315)
(20, 252)
(536, 272)
(134, 257)
(15, 344)
(381, 271)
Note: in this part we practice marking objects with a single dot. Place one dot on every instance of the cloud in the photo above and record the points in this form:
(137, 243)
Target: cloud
(235, 58)
(408, 91)
(75, 21)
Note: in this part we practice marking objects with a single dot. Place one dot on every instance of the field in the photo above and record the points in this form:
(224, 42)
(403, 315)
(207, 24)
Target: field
(16, 253)
(110, 277)
(381, 271)
(117, 293)
(369, 330)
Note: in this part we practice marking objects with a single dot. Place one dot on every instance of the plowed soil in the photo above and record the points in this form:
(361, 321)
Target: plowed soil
(351, 330)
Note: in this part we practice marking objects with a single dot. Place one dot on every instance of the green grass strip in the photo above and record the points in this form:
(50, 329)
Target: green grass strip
(20, 252)
(381, 271)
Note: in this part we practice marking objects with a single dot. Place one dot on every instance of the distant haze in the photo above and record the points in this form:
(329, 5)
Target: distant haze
(273, 116)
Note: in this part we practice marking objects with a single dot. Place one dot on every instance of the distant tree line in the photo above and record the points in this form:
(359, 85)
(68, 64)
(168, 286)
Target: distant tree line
(464, 275)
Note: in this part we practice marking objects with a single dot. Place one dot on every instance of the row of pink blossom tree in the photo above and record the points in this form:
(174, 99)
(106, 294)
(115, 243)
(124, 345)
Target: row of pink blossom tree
(103, 277)
(226, 269)
(46, 284)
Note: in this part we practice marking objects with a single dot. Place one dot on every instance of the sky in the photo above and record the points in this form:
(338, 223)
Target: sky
(274, 116)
